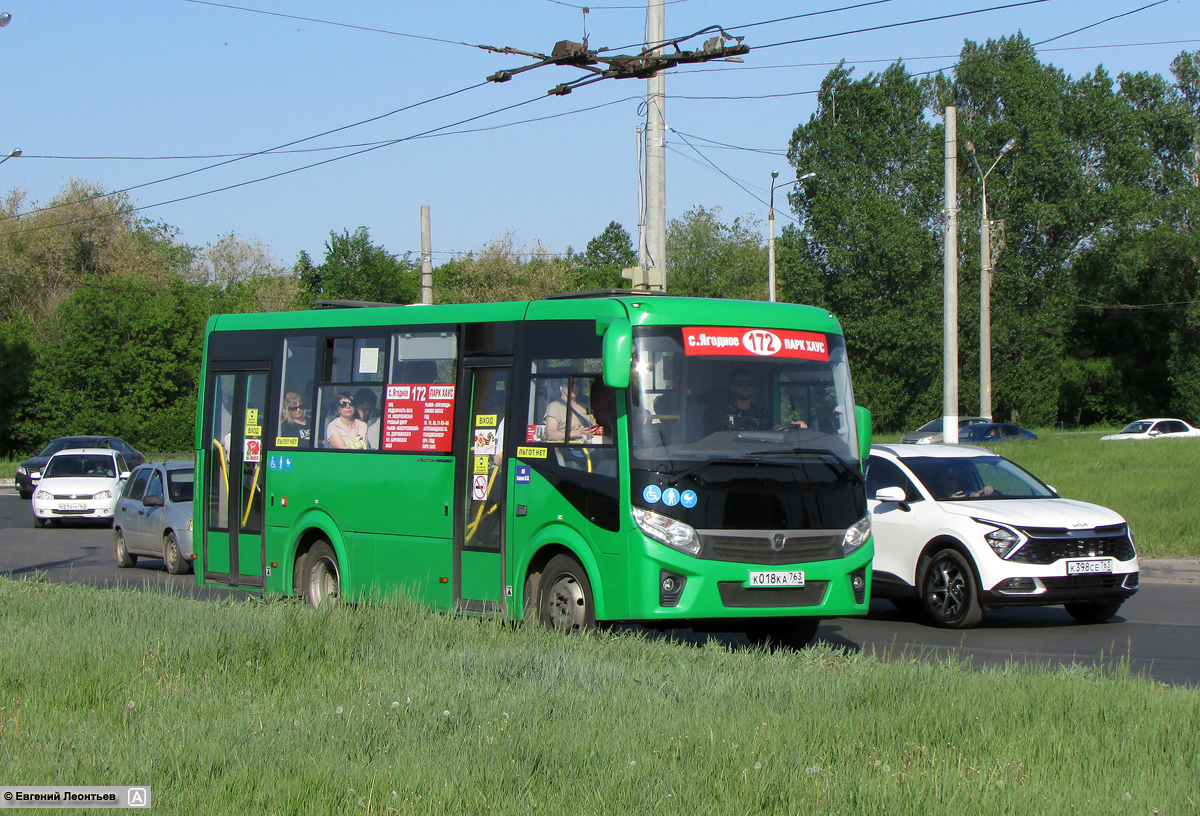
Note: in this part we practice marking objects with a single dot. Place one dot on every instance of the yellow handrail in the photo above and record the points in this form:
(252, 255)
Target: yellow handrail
(474, 525)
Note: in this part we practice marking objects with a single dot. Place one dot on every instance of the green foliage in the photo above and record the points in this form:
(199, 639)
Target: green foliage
(356, 269)
(709, 258)
(606, 255)
(503, 271)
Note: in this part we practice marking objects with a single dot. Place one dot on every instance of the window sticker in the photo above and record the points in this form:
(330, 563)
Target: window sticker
(485, 441)
(725, 341)
(418, 418)
(287, 441)
(481, 466)
(531, 452)
(485, 421)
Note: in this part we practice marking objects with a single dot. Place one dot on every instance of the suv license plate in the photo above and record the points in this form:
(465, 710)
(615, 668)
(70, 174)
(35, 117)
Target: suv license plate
(777, 578)
(1091, 567)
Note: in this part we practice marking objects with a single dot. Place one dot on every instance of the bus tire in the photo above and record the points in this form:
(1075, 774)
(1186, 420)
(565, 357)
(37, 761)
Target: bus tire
(774, 633)
(125, 559)
(949, 591)
(565, 598)
(533, 583)
(322, 581)
(173, 559)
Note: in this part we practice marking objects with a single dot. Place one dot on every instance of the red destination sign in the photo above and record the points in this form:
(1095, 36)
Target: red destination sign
(418, 418)
(734, 342)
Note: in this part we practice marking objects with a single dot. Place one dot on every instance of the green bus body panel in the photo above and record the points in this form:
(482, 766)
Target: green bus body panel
(392, 524)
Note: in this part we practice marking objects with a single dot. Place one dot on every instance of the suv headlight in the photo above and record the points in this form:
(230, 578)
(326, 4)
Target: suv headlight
(857, 535)
(669, 531)
(1002, 540)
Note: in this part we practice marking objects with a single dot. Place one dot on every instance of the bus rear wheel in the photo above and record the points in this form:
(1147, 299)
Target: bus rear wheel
(322, 583)
(565, 600)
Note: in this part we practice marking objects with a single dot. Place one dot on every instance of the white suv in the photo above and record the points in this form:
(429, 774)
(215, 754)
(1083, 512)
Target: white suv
(959, 530)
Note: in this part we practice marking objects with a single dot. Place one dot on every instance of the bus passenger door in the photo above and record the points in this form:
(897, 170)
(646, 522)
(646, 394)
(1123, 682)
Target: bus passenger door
(479, 529)
(235, 478)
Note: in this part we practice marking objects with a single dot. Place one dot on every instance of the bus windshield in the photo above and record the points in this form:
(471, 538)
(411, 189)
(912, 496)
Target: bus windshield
(737, 395)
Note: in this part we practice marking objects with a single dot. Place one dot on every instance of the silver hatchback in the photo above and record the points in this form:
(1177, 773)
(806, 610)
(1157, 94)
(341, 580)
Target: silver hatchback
(154, 516)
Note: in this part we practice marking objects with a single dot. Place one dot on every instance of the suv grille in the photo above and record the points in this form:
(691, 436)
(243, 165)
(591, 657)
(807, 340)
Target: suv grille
(771, 547)
(1047, 544)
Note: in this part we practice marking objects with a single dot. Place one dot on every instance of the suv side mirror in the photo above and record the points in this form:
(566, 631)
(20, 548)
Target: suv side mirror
(894, 495)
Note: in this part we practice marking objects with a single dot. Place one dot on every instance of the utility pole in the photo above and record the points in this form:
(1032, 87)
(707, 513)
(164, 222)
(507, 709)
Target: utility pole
(426, 258)
(656, 153)
(950, 286)
(985, 285)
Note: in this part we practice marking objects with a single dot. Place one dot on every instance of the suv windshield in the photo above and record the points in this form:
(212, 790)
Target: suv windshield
(722, 395)
(975, 478)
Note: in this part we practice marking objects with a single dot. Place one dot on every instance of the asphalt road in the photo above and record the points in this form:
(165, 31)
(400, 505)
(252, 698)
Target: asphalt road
(1157, 631)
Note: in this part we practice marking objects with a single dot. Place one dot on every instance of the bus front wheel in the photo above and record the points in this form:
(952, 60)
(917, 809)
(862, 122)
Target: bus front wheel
(322, 582)
(792, 633)
(565, 600)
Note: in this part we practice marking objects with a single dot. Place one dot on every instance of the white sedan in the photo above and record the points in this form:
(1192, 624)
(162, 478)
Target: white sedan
(1154, 429)
(84, 483)
(959, 530)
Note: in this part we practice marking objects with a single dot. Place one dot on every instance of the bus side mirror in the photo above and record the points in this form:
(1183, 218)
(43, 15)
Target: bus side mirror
(618, 353)
(862, 418)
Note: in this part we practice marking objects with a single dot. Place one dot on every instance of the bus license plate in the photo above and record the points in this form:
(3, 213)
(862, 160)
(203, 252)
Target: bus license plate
(777, 578)
(1090, 567)
(69, 506)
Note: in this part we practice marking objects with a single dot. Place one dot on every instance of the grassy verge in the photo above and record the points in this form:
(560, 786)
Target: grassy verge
(267, 707)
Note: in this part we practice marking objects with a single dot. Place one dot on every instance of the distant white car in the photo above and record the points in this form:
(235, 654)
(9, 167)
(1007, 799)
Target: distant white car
(1154, 429)
(84, 483)
(959, 530)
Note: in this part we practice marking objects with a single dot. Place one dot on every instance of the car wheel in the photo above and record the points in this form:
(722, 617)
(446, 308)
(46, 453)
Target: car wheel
(1093, 611)
(25, 495)
(565, 600)
(322, 582)
(39, 522)
(125, 559)
(949, 593)
(172, 557)
(792, 633)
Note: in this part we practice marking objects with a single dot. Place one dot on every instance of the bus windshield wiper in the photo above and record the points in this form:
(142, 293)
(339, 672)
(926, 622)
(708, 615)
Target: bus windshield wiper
(847, 468)
(718, 460)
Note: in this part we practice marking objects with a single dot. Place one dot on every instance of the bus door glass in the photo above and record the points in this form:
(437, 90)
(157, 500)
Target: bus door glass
(480, 550)
(233, 518)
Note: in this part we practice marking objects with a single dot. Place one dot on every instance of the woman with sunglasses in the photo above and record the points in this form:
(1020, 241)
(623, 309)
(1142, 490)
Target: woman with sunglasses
(293, 420)
(346, 431)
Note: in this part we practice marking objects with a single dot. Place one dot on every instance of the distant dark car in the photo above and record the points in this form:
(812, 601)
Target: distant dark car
(29, 472)
(993, 432)
(154, 516)
(931, 432)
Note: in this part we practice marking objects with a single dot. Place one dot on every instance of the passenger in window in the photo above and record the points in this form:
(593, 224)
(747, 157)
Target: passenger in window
(366, 405)
(345, 431)
(293, 419)
(602, 409)
(567, 407)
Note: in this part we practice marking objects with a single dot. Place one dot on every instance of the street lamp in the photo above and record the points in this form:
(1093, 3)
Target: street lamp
(985, 284)
(771, 233)
(16, 151)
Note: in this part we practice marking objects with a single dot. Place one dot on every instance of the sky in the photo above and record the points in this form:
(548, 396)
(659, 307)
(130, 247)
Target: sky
(206, 113)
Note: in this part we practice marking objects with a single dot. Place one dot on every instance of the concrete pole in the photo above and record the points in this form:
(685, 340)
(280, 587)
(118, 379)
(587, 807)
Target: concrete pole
(426, 258)
(771, 243)
(656, 153)
(950, 286)
(985, 313)
(643, 252)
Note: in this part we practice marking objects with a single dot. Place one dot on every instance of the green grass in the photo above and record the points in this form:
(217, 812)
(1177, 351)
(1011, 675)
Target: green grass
(255, 706)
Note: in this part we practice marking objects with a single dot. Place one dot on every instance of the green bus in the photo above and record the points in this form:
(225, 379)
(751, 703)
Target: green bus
(613, 456)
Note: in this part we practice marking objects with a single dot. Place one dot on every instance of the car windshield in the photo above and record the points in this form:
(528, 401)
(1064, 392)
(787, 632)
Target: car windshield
(1137, 427)
(81, 465)
(932, 427)
(180, 484)
(65, 442)
(976, 478)
(701, 396)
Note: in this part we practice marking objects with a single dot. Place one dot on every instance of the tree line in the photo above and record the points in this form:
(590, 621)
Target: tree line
(1095, 316)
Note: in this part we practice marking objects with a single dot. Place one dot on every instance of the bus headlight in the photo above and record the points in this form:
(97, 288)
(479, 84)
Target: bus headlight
(674, 534)
(857, 535)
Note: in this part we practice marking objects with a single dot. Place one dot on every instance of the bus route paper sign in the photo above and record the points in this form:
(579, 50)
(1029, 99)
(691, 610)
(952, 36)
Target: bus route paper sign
(728, 341)
(418, 418)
